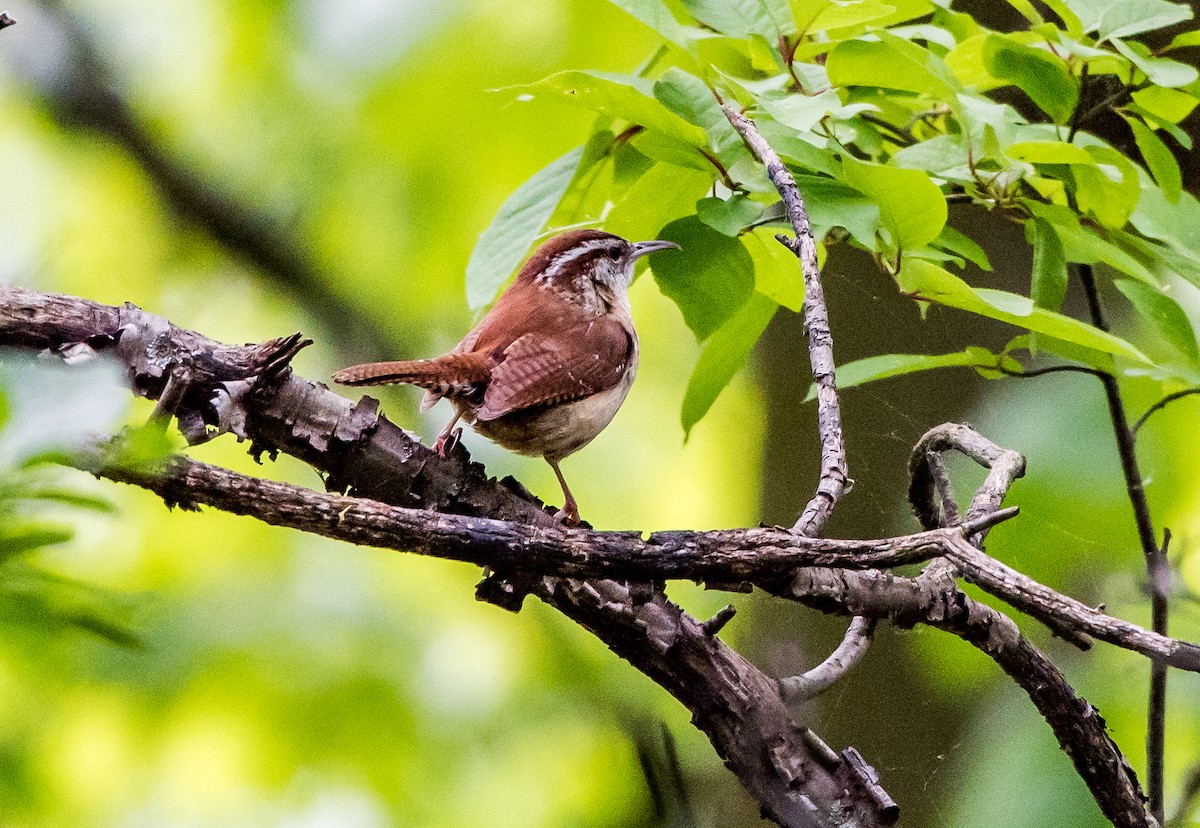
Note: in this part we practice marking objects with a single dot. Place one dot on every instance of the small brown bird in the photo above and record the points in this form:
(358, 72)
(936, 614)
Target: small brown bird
(548, 366)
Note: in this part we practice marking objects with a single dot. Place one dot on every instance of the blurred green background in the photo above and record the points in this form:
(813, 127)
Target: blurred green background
(288, 680)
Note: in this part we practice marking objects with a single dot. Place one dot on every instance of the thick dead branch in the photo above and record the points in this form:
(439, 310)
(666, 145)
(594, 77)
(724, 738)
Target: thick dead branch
(250, 391)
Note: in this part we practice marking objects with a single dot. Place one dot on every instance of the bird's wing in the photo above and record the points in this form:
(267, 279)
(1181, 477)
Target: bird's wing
(557, 366)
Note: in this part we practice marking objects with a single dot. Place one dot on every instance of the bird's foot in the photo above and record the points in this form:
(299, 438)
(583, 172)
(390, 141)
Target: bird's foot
(446, 442)
(568, 515)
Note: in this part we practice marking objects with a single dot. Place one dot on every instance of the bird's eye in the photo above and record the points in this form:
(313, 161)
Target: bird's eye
(614, 253)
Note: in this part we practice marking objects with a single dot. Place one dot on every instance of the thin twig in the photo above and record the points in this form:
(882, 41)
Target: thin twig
(1053, 369)
(1161, 404)
(841, 661)
(1157, 568)
(834, 474)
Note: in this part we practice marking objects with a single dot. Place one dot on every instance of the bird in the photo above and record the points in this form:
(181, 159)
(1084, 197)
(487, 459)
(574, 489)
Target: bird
(547, 367)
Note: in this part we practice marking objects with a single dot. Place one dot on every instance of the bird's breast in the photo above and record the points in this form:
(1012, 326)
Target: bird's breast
(556, 431)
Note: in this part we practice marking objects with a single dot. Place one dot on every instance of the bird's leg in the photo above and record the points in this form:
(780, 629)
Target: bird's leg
(569, 513)
(448, 439)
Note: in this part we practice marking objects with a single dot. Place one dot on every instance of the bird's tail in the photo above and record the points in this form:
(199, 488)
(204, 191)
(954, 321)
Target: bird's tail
(446, 376)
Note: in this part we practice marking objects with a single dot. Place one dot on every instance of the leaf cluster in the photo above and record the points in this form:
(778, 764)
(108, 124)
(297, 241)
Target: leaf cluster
(886, 112)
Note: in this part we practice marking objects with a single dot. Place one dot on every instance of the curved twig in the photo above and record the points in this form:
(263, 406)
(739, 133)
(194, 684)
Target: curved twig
(842, 660)
(1160, 405)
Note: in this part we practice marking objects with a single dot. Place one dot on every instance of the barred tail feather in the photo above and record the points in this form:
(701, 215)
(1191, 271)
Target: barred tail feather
(449, 375)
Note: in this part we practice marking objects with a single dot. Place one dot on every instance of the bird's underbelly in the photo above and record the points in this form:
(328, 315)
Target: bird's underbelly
(556, 431)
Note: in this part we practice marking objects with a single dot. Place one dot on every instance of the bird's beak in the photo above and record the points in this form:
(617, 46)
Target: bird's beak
(644, 248)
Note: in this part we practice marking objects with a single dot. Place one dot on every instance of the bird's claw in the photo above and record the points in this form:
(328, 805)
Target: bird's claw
(568, 515)
(446, 442)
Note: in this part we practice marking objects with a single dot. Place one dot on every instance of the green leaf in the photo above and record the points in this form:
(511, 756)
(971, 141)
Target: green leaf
(1084, 245)
(743, 18)
(730, 216)
(67, 497)
(1159, 160)
(1070, 20)
(886, 366)
(960, 245)
(936, 155)
(1177, 225)
(618, 96)
(1067, 350)
(1164, 313)
(1110, 189)
(890, 63)
(1049, 281)
(1162, 72)
(141, 448)
(503, 244)
(656, 15)
(1122, 18)
(663, 194)
(1044, 77)
(1184, 40)
(911, 206)
(803, 112)
(1168, 105)
(691, 99)
(722, 356)
(29, 535)
(662, 147)
(777, 272)
(1165, 261)
(814, 16)
(927, 282)
(791, 147)
(1049, 270)
(710, 277)
(833, 204)
(1050, 152)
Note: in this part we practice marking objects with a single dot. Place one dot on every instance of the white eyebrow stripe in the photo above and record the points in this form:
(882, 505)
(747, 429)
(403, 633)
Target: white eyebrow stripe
(563, 259)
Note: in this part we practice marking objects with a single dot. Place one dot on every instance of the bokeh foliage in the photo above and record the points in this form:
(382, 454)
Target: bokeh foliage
(283, 679)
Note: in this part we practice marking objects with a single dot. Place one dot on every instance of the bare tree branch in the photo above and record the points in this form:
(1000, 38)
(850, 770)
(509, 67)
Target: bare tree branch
(723, 556)
(729, 698)
(1160, 405)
